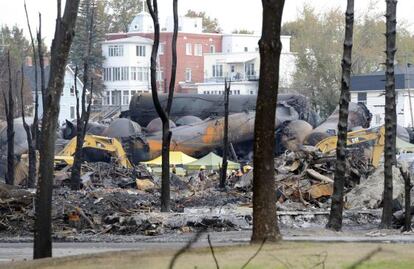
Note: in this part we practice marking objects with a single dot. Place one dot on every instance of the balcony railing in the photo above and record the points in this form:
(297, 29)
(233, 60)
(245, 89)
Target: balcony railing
(234, 77)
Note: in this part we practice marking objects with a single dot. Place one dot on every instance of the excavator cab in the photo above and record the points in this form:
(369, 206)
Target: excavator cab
(375, 136)
(96, 148)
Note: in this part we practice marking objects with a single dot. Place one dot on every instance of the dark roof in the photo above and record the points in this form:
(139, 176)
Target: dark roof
(29, 73)
(375, 81)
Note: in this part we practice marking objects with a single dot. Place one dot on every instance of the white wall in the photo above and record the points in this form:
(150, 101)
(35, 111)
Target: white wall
(376, 105)
(286, 71)
(67, 100)
(129, 59)
(243, 42)
(237, 88)
(185, 24)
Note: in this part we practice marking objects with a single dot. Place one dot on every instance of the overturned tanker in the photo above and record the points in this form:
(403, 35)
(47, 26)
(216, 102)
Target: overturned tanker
(200, 138)
(359, 116)
(204, 105)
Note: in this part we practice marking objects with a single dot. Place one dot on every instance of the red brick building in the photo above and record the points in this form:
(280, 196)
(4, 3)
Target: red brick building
(190, 49)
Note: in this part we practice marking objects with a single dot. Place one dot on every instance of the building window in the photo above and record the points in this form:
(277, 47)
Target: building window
(108, 98)
(72, 112)
(116, 50)
(246, 49)
(124, 73)
(250, 69)
(160, 75)
(125, 98)
(187, 74)
(198, 50)
(212, 49)
(161, 49)
(116, 73)
(141, 51)
(107, 74)
(251, 92)
(188, 50)
(72, 91)
(116, 97)
(133, 73)
(133, 93)
(362, 98)
(218, 70)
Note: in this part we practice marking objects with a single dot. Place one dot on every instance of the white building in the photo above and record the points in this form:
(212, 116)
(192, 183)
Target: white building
(68, 98)
(369, 89)
(185, 25)
(126, 68)
(240, 63)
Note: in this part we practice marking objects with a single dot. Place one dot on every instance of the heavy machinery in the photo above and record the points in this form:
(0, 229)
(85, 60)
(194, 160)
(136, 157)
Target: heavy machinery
(375, 136)
(96, 148)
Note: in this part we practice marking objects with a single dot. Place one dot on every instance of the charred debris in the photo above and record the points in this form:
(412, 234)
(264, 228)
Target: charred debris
(120, 188)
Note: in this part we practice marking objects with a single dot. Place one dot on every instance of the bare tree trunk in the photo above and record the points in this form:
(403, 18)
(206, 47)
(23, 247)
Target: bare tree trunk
(164, 114)
(9, 109)
(82, 117)
(264, 199)
(407, 199)
(61, 43)
(390, 113)
(32, 133)
(223, 175)
(32, 151)
(42, 80)
(335, 217)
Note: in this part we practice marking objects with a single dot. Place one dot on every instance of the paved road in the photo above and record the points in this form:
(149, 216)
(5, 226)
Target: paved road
(21, 251)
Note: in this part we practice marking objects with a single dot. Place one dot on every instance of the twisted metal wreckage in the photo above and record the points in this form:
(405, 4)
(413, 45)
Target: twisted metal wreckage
(199, 125)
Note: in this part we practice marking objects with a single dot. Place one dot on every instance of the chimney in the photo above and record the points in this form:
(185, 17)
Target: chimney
(29, 61)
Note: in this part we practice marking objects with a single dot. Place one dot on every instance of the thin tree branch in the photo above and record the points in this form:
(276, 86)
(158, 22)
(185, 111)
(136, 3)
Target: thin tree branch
(365, 258)
(212, 252)
(185, 248)
(41, 62)
(35, 124)
(174, 59)
(255, 254)
(76, 95)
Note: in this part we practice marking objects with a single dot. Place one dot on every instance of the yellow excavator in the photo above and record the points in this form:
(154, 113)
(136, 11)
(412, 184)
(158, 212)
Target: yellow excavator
(374, 135)
(98, 144)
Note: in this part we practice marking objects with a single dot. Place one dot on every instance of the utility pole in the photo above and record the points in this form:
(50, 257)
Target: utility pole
(407, 65)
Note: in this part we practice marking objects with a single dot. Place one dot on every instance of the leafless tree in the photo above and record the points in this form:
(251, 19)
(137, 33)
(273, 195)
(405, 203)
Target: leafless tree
(265, 225)
(223, 175)
(390, 112)
(31, 179)
(335, 217)
(61, 43)
(42, 71)
(9, 111)
(32, 133)
(163, 113)
(82, 117)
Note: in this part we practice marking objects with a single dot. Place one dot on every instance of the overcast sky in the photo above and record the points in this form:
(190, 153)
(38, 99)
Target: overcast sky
(232, 14)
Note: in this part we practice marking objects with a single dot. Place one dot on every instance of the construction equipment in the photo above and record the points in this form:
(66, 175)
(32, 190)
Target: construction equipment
(375, 135)
(96, 148)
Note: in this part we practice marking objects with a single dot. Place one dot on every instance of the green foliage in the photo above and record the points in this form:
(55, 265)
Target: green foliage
(14, 40)
(79, 46)
(210, 25)
(317, 40)
(122, 14)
